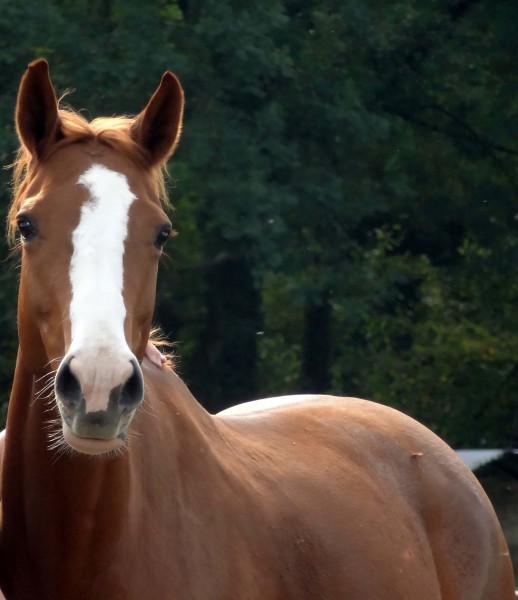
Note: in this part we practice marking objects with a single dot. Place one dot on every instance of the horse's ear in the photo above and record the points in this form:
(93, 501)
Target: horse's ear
(157, 128)
(37, 117)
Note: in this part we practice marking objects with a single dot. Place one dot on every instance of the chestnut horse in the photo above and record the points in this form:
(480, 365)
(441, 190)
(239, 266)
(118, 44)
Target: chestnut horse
(303, 497)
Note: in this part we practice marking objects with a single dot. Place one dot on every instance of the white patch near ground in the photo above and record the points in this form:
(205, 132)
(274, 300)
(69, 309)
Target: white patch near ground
(477, 458)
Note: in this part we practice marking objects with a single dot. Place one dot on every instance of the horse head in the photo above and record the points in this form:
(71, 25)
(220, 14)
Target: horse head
(88, 211)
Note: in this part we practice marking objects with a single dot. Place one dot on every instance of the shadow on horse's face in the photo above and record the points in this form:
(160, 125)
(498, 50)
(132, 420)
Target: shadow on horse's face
(92, 230)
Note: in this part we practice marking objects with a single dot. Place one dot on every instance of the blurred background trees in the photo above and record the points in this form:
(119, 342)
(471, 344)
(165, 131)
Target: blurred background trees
(346, 192)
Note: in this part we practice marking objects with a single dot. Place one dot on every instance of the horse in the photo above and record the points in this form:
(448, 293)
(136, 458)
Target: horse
(116, 483)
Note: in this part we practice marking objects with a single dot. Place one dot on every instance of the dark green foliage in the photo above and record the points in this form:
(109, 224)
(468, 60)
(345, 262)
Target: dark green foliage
(345, 192)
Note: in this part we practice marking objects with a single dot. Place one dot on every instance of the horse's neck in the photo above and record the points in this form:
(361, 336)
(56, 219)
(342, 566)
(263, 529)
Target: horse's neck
(172, 438)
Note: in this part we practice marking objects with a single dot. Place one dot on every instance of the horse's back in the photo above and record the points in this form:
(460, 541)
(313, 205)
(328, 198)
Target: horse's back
(394, 499)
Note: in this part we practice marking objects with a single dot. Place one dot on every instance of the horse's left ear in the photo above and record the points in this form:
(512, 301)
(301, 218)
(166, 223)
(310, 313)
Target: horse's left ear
(157, 128)
(37, 117)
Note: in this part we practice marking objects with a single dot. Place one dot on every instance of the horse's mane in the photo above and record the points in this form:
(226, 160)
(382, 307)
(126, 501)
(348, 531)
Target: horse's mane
(111, 131)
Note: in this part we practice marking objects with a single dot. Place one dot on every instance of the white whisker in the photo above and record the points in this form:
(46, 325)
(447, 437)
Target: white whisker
(148, 412)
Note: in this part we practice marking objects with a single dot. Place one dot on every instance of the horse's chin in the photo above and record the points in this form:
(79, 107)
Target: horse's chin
(91, 446)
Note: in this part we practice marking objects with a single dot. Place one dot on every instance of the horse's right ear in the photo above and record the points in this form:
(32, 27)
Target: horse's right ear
(37, 117)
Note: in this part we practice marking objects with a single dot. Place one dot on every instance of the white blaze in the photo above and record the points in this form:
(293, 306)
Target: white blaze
(97, 309)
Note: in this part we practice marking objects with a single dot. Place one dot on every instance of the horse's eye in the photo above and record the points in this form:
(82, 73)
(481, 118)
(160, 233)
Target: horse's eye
(162, 237)
(26, 228)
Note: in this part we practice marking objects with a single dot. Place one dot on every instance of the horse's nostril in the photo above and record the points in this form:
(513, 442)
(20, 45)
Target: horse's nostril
(132, 391)
(68, 388)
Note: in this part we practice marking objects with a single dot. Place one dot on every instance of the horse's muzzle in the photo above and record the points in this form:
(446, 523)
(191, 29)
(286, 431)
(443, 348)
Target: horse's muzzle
(91, 411)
